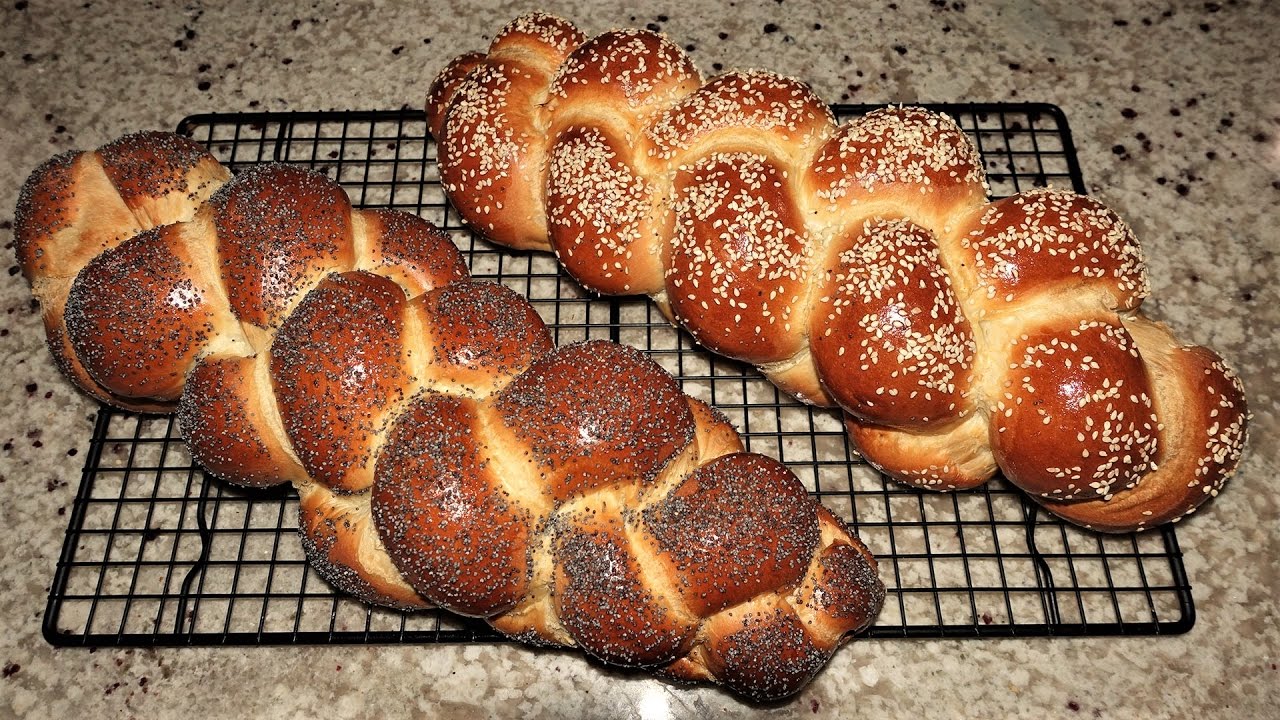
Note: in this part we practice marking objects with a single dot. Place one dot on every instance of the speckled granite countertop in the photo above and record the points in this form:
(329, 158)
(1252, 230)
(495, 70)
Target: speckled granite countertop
(1173, 109)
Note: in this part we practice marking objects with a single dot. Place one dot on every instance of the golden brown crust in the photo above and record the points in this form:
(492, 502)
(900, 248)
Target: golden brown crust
(443, 515)
(638, 69)
(486, 147)
(955, 457)
(140, 315)
(1049, 241)
(161, 176)
(486, 140)
(763, 650)
(1076, 420)
(606, 600)
(735, 526)
(229, 427)
(280, 229)
(594, 414)
(338, 369)
(783, 112)
(341, 543)
(444, 86)
(606, 222)
(538, 35)
(443, 451)
(417, 255)
(919, 163)
(1204, 406)
(840, 596)
(480, 335)
(67, 213)
(888, 336)
(77, 205)
(753, 205)
(64, 356)
(713, 433)
(737, 273)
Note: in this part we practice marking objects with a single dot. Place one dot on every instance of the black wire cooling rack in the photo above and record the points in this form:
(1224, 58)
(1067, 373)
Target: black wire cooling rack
(156, 553)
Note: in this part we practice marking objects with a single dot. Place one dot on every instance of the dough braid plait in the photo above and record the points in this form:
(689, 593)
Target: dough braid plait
(444, 451)
(858, 266)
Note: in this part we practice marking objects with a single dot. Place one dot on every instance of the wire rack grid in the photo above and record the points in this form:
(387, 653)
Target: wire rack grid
(156, 553)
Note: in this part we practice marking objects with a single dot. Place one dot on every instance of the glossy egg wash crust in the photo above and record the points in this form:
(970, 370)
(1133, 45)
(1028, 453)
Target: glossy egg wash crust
(859, 266)
(444, 451)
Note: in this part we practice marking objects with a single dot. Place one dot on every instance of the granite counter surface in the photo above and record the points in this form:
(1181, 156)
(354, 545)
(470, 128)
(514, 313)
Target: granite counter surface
(1174, 111)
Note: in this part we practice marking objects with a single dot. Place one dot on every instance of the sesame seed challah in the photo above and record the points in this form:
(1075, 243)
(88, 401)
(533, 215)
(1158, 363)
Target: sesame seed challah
(858, 266)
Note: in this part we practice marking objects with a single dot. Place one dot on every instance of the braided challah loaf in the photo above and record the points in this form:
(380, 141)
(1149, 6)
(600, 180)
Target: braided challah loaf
(858, 266)
(444, 450)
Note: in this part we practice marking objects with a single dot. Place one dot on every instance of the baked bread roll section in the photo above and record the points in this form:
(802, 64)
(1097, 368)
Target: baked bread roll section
(860, 266)
(444, 450)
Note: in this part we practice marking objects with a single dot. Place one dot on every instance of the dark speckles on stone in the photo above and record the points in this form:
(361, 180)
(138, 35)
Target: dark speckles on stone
(717, 66)
(1182, 189)
(397, 50)
(770, 28)
(11, 669)
(724, 36)
(1129, 113)
(203, 85)
(900, 49)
